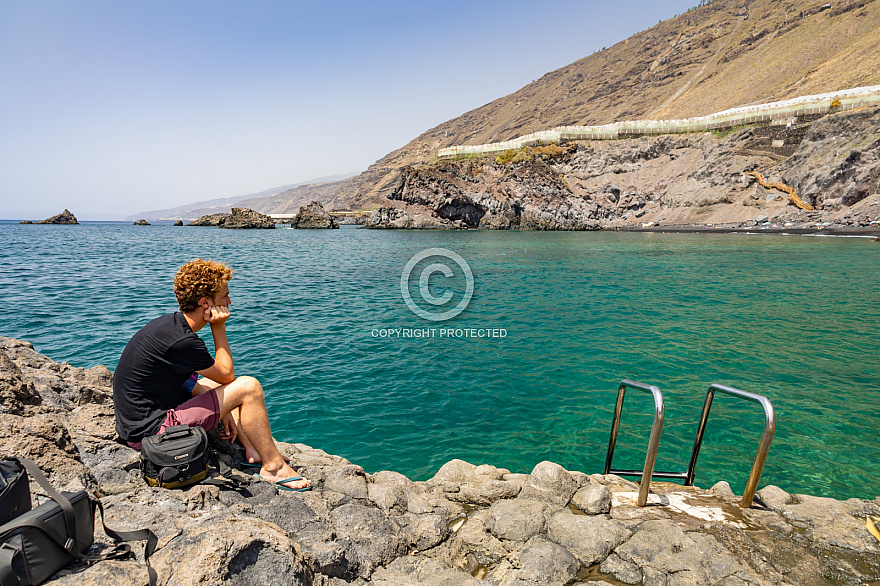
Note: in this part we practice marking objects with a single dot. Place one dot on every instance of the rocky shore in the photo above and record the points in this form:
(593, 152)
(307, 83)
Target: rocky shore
(670, 180)
(469, 525)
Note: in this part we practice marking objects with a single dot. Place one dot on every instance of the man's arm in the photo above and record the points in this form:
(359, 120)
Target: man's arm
(222, 371)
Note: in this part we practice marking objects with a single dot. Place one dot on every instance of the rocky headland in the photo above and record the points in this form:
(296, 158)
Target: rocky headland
(64, 217)
(468, 525)
(671, 180)
(240, 218)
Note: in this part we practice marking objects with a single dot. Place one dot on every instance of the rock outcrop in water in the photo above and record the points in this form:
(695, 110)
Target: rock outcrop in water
(209, 220)
(243, 218)
(314, 216)
(833, 162)
(240, 218)
(468, 525)
(142, 222)
(64, 217)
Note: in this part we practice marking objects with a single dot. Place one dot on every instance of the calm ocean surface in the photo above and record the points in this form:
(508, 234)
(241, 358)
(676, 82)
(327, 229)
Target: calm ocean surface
(795, 318)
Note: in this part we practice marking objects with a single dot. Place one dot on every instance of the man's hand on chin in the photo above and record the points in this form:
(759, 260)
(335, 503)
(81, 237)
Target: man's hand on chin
(217, 314)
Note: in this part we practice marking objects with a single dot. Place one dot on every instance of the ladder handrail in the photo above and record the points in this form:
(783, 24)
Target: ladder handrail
(653, 442)
(763, 446)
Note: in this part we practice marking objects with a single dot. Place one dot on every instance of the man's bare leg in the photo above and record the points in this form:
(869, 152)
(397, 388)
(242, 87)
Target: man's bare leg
(250, 452)
(245, 395)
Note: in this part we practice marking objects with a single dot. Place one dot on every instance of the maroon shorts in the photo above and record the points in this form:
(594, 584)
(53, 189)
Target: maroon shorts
(201, 411)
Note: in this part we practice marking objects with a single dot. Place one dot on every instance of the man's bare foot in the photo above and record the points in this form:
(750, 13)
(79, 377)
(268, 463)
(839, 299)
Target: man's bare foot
(253, 457)
(284, 472)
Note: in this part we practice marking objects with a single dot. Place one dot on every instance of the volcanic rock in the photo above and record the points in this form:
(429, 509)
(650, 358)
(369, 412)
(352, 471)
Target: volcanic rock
(209, 220)
(64, 217)
(240, 218)
(243, 218)
(314, 216)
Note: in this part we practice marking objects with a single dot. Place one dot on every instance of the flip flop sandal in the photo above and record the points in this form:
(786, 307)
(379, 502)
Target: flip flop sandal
(280, 483)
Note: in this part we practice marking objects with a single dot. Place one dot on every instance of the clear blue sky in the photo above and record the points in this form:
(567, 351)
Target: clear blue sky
(109, 108)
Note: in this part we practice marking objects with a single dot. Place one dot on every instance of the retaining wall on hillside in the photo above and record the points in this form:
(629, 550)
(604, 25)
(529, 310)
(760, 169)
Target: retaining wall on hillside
(773, 112)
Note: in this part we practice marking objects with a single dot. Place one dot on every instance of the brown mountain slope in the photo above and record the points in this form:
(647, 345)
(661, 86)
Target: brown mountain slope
(728, 53)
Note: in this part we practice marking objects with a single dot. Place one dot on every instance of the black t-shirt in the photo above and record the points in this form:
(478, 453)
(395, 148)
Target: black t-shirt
(152, 369)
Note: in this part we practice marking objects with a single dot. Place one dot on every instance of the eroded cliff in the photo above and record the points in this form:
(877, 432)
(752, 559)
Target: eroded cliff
(833, 162)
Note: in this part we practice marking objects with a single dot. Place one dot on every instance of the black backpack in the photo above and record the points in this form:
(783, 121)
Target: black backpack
(15, 493)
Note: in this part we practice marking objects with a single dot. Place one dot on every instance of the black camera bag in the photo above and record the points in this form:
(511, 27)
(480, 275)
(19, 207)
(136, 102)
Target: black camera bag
(179, 457)
(38, 543)
(15, 492)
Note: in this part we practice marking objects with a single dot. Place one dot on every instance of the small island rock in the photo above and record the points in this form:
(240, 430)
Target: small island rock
(178, 223)
(314, 216)
(64, 217)
(142, 222)
(240, 218)
(244, 218)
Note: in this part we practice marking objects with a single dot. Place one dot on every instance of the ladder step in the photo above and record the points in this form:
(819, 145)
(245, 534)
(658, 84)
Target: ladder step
(676, 475)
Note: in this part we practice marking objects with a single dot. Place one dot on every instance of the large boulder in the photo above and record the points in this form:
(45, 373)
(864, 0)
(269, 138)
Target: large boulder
(314, 216)
(244, 218)
(239, 219)
(16, 393)
(551, 483)
(376, 539)
(661, 553)
(142, 222)
(589, 538)
(237, 551)
(517, 519)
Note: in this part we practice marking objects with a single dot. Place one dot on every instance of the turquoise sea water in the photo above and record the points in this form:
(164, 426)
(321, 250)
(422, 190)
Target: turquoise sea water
(795, 318)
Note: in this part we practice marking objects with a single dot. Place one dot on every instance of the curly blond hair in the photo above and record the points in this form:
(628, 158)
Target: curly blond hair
(199, 278)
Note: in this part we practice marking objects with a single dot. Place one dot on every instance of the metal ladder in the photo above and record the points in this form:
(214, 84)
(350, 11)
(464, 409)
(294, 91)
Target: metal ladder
(654, 441)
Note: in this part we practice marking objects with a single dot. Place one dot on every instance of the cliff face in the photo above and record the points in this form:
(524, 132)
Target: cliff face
(468, 525)
(834, 164)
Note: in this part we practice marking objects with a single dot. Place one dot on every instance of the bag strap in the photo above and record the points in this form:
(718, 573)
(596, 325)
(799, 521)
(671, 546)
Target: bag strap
(7, 576)
(140, 534)
(66, 507)
(224, 470)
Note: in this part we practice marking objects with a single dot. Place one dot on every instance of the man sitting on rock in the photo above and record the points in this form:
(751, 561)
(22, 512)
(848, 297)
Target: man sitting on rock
(155, 384)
